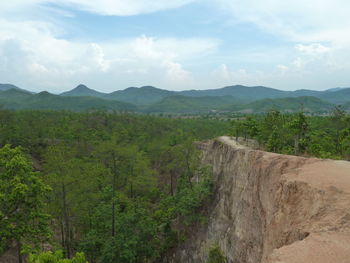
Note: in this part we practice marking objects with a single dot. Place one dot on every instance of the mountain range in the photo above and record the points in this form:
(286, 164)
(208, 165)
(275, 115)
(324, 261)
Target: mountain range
(154, 100)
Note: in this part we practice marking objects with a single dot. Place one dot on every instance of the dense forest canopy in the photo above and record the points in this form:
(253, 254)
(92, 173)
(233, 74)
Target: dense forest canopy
(127, 188)
(298, 134)
(118, 181)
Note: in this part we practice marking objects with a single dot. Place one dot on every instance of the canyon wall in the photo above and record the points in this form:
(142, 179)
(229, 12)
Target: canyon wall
(272, 208)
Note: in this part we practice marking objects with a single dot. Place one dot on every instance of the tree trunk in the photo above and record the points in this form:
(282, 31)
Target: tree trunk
(296, 146)
(171, 184)
(189, 173)
(63, 243)
(19, 247)
(66, 222)
(131, 191)
(113, 193)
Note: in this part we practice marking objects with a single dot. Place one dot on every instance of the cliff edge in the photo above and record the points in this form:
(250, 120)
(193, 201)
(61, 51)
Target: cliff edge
(272, 208)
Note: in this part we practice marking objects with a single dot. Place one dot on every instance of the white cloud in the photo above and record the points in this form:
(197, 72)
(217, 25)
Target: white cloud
(299, 63)
(316, 31)
(316, 37)
(102, 7)
(313, 49)
(33, 56)
(283, 69)
(96, 55)
(224, 76)
(298, 20)
(292, 79)
(125, 8)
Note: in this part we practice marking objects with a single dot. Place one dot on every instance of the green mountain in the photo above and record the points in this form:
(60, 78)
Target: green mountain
(303, 93)
(250, 94)
(14, 99)
(15, 94)
(82, 90)
(346, 106)
(182, 104)
(242, 92)
(4, 87)
(335, 89)
(339, 96)
(293, 104)
(146, 95)
(151, 99)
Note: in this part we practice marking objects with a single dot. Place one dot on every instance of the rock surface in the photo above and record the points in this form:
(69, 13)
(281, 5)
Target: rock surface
(272, 208)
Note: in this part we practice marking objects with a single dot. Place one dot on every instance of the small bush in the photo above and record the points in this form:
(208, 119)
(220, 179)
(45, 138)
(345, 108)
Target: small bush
(56, 257)
(216, 255)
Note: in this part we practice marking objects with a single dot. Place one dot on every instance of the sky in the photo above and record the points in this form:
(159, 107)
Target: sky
(109, 45)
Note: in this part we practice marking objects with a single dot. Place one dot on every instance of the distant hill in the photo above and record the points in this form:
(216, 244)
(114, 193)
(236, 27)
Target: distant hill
(338, 97)
(146, 95)
(335, 89)
(151, 99)
(4, 87)
(13, 99)
(15, 94)
(242, 92)
(293, 104)
(346, 106)
(303, 93)
(82, 90)
(182, 104)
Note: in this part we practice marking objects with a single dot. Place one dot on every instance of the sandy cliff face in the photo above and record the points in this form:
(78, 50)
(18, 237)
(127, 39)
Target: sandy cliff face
(272, 208)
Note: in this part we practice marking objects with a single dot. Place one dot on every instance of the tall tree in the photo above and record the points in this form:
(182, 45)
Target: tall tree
(63, 174)
(298, 126)
(337, 117)
(22, 195)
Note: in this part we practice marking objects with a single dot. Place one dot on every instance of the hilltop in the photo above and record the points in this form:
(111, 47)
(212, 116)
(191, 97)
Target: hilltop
(238, 98)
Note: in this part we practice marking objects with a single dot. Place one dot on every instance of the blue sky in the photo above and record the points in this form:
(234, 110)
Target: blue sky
(174, 44)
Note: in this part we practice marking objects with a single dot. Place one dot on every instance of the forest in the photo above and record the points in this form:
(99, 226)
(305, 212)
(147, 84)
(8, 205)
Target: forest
(117, 187)
(298, 133)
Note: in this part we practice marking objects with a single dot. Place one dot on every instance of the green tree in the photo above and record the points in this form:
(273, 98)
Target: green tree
(274, 142)
(299, 125)
(22, 196)
(216, 255)
(337, 117)
(56, 257)
(238, 129)
(63, 175)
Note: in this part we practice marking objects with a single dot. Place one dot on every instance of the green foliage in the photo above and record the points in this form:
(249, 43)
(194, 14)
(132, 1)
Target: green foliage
(119, 181)
(140, 96)
(299, 134)
(56, 257)
(22, 195)
(182, 104)
(17, 99)
(126, 188)
(153, 100)
(311, 104)
(216, 255)
(143, 228)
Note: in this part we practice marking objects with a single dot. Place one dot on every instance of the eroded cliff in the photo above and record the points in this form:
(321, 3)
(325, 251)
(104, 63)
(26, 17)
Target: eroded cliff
(272, 208)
